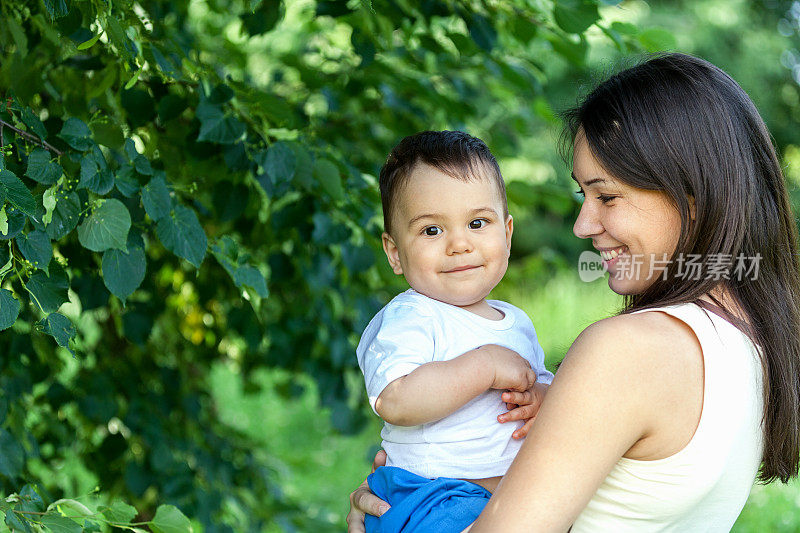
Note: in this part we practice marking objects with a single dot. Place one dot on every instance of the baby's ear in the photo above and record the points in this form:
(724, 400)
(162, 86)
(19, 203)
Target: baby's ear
(392, 253)
(509, 231)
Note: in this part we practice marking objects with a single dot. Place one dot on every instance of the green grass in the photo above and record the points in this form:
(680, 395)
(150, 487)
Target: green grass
(319, 467)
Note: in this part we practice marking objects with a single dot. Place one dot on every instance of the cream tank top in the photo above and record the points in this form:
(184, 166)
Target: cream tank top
(704, 486)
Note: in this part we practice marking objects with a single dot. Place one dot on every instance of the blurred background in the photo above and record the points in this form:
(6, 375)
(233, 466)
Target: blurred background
(224, 381)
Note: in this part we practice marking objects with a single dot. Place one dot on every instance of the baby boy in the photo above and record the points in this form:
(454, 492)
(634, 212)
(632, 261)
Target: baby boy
(437, 358)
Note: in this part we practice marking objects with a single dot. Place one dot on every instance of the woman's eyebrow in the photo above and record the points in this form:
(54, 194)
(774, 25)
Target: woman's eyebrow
(590, 182)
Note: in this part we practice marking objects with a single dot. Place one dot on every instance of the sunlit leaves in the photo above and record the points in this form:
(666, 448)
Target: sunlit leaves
(575, 16)
(118, 513)
(107, 227)
(169, 519)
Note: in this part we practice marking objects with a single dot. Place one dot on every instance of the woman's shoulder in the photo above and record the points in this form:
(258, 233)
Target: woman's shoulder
(640, 341)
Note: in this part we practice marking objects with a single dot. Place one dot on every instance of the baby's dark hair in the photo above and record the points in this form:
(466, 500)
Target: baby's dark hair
(455, 153)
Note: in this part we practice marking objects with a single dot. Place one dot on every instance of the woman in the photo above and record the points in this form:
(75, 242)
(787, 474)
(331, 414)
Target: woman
(660, 418)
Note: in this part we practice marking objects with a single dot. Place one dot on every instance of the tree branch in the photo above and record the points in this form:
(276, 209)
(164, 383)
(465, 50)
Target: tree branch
(45, 144)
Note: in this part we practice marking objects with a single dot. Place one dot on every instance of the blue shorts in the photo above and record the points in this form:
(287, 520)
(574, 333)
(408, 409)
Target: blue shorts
(423, 505)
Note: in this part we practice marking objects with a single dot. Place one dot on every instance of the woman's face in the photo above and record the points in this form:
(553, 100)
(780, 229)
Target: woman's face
(634, 230)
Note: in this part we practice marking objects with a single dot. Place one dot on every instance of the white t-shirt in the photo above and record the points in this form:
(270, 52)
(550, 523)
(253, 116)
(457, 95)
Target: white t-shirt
(413, 330)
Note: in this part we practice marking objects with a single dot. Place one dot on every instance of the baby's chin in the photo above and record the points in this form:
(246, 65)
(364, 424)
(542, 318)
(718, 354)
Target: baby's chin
(459, 300)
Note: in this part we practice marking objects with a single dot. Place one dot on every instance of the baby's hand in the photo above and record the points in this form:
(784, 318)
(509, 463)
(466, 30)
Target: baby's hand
(523, 406)
(511, 370)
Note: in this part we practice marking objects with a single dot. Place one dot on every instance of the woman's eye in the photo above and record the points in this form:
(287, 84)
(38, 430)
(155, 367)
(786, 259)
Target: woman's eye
(432, 231)
(605, 198)
(478, 223)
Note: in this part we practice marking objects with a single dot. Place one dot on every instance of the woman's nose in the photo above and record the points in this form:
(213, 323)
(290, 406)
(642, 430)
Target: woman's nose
(588, 223)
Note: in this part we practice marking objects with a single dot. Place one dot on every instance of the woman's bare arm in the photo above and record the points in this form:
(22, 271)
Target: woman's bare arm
(611, 391)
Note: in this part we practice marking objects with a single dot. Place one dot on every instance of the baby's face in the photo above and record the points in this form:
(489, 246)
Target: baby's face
(449, 238)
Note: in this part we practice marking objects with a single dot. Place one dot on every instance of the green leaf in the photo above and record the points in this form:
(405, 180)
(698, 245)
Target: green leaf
(85, 45)
(65, 216)
(107, 227)
(118, 513)
(107, 132)
(251, 277)
(217, 128)
(9, 309)
(156, 199)
(657, 40)
(327, 174)
(280, 162)
(226, 250)
(34, 124)
(56, 8)
(574, 52)
(60, 524)
(304, 167)
(182, 234)
(124, 272)
(49, 292)
(30, 500)
(76, 134)
(49, 202)
(95, 174)
(126, 181)
(14, 191)
(12, 457)
(17, 522)
(60, 328)
(41, 168)
(575, 16)
(482, 32)
(36, 248)
(3, 220)
(71, 508)
(169, 519)
(15, 221)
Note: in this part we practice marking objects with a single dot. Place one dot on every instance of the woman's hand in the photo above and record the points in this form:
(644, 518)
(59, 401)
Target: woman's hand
(523, 406)
(363, 501)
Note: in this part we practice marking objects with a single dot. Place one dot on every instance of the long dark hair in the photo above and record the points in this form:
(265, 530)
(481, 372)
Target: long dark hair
(678, 124)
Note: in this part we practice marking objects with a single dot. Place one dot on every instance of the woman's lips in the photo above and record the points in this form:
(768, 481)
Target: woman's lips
(611, 256)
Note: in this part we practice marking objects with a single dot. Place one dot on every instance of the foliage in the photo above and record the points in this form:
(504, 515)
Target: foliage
(183, 183)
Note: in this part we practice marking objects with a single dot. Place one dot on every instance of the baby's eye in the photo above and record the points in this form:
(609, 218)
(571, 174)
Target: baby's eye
(478, 223)
(432, 231)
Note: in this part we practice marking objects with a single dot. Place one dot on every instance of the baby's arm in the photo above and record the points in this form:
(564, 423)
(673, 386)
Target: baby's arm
(436, 389)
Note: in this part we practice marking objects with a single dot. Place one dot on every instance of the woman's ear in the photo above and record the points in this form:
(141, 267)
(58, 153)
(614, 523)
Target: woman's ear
(392, 253)
(509, 231)
(692, 208)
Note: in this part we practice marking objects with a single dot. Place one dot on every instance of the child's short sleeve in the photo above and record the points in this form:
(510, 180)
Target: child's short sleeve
(398, 340)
